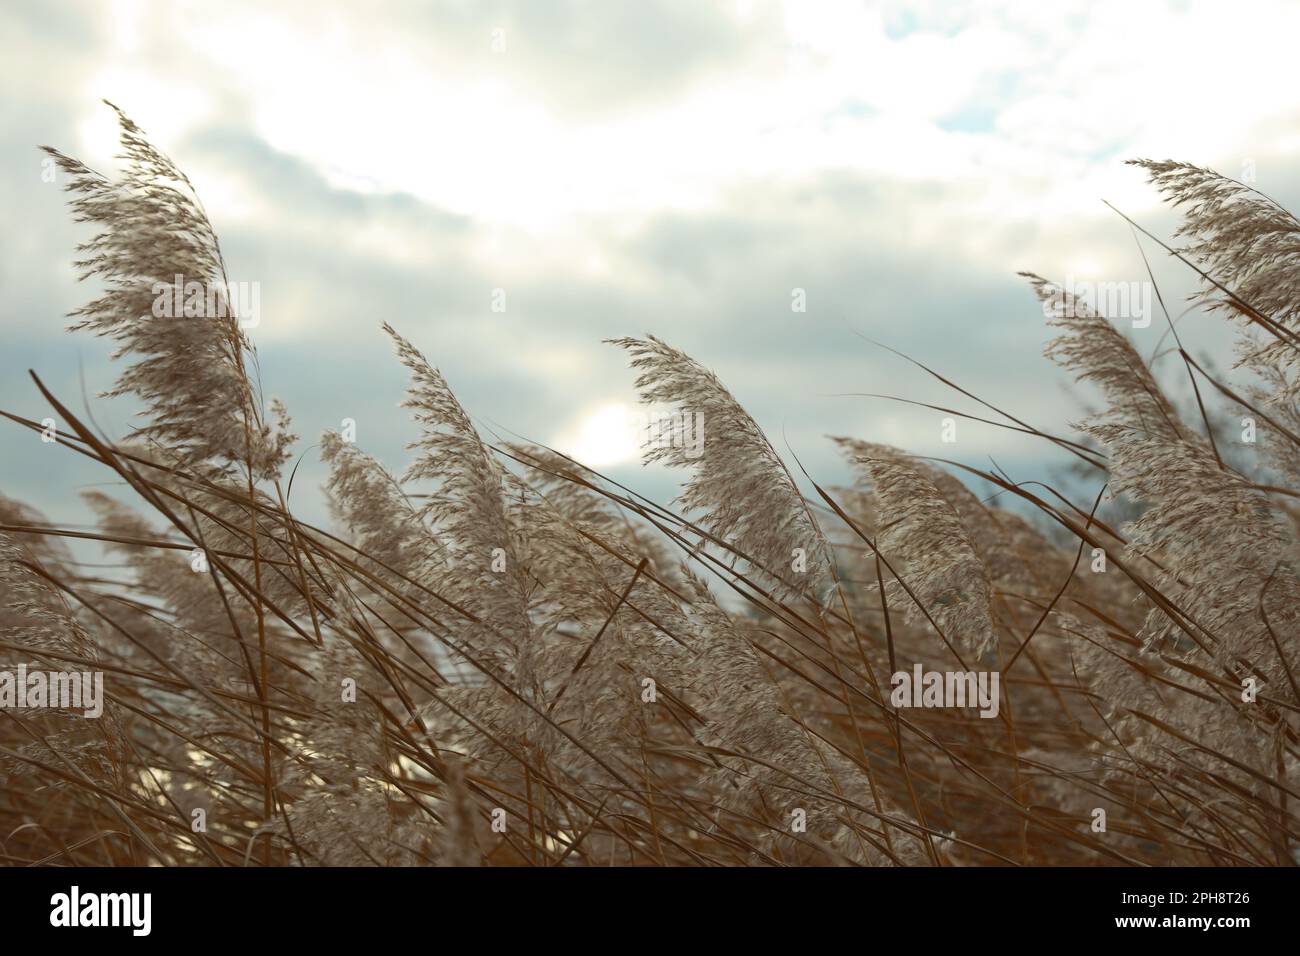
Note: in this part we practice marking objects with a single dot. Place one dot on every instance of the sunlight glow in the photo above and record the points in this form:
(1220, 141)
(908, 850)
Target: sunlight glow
(605, 436)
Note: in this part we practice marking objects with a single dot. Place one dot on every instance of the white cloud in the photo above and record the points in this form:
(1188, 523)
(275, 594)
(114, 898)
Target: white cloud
(1012, 112)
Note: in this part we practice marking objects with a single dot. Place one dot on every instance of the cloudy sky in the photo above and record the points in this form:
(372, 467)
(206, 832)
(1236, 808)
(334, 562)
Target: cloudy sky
(628, 167)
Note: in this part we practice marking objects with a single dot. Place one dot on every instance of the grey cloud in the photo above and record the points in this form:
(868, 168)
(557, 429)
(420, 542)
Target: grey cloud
(297, 188)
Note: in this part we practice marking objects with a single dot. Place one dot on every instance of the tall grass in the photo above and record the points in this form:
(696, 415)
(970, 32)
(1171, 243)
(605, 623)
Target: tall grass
(503, 657)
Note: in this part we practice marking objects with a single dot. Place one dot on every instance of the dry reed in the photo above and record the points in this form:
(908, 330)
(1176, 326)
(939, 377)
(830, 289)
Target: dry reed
(505, 658)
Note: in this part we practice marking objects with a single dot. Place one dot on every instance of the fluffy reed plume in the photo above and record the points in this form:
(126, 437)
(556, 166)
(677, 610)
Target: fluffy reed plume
(943, 578)
(378, 514)
(468, 505)
(42, 627)
(190, 374)
(1096, 351)
(1248, 247)
(502, 657)
(744, 490)
(1247, 244)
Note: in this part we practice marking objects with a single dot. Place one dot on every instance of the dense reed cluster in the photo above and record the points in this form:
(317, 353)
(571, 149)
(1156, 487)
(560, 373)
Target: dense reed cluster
(503, 657)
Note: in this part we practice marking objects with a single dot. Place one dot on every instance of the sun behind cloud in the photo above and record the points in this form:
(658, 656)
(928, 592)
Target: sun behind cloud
(602, 436)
